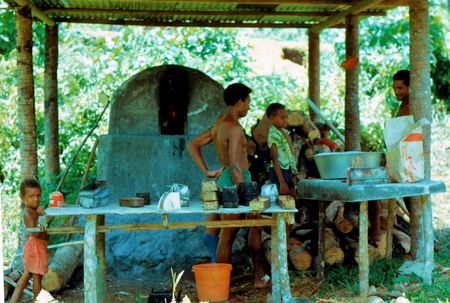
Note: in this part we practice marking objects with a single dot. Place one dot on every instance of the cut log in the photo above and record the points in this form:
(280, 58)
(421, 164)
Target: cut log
(382, 245)
(333, 251)
(403, 239)
(342, 224)
(300, 258)
(372, 250)
(61, 267)
(332, 210)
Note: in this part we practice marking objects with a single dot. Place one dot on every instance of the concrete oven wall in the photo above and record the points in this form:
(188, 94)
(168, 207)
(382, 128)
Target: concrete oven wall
(134, 157)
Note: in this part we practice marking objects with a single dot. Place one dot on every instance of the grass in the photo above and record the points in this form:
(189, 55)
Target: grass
(342, 281)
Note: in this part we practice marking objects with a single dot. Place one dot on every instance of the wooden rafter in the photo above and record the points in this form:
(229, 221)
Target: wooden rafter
(35, 11)
(338, 18)
(162, 13)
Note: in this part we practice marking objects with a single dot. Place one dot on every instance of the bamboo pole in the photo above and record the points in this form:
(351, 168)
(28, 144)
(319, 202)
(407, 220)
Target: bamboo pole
(352, 123)
(314, 72)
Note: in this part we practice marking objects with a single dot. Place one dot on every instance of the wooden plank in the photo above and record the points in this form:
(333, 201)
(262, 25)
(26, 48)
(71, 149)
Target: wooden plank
(195, 207)
(338, 190)
(363, 251)
(94, 261)
(390, 227)
(174, 225)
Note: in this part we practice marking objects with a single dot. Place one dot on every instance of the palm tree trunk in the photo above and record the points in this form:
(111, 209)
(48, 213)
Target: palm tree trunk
(25, 91)
(51, 103)
(314, 72)
(352, 139)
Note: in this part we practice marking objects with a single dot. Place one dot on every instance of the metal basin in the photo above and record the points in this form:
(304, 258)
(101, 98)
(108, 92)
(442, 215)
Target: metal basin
(334, 165)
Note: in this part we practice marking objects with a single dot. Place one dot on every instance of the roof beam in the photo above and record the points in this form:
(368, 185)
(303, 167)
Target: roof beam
(385, 3)
(336, 19)
(187, 24)
(142, 13)
(35, 11)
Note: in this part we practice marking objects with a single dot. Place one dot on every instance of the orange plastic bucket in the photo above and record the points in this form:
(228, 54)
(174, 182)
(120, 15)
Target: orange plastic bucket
(56, 199)
(212, 281)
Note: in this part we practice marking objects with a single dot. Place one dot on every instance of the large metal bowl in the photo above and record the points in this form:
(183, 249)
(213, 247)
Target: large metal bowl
(334, 165)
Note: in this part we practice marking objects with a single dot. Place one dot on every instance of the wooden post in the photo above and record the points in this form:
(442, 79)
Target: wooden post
(51, 103)
(321, 241)
(390, 227)
(352, 139)
(282, 263)
(25, 92)
(275, 267)
(420, 107)
(314, 72)
(94, 261)
(363, 250)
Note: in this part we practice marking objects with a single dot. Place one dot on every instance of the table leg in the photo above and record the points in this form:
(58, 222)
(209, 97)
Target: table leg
(428, 257)
(390, 227)
(281, 291)
(94, 261)
(321, 241)
(363, 250)
(275, 268)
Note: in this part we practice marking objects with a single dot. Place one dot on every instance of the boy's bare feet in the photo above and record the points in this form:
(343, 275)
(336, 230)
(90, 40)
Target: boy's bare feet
(262, 282)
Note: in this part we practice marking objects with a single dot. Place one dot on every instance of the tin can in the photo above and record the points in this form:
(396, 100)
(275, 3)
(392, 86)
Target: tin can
(56, 199)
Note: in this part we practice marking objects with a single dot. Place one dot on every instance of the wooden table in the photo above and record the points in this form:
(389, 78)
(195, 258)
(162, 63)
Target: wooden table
(363, 193)
(95, 229)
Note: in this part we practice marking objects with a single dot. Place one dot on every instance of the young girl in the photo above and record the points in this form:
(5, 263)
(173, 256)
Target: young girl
(35, 254)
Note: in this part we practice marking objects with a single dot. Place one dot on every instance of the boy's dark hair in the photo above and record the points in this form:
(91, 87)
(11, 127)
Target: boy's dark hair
(402, 75)
(273, 108)
(235, 92)
(28, 183)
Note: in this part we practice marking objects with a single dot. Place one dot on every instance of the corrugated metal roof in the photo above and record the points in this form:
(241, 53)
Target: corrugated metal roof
(262, 13)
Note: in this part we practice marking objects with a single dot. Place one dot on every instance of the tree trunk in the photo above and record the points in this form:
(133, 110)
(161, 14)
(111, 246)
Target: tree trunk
(422, 244)
(352, 140)
(61, 267)
(25, 91)
(314, 72)
(51, 103)
(26, 114)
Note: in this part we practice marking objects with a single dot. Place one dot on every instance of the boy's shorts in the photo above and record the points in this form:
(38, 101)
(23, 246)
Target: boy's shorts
(225, 178)
(287, 175)
(35, 256)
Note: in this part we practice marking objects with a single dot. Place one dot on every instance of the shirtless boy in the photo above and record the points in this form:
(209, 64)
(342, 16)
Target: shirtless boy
(35, 255)
(230, 145)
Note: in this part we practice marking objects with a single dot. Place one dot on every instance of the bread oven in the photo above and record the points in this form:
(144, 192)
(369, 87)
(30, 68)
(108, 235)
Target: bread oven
(152, 117)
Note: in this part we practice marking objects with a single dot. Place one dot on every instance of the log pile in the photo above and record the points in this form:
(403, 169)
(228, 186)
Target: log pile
(341, 237)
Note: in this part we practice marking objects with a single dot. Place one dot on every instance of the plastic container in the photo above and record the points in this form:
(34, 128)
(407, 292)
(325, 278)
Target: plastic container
(56, 199)
(212, 281)
(334, 165)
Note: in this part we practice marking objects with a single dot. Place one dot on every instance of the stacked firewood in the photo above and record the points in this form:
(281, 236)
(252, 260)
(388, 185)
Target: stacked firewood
(342, 236)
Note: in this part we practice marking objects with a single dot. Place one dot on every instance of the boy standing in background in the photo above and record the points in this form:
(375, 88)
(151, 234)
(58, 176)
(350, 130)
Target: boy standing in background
(283, 169)
(35, 253)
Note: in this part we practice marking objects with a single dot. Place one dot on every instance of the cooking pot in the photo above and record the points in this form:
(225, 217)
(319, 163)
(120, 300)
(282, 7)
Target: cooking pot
(334, 165)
